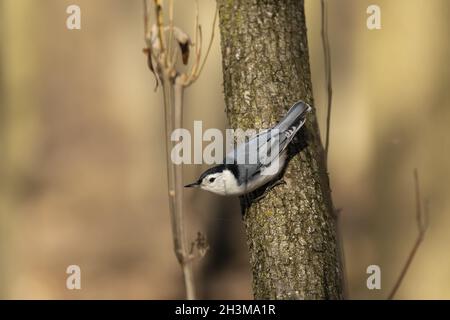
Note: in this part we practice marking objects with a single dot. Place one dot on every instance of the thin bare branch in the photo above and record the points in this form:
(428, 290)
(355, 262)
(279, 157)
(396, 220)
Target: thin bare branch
(425, 215)
(209, 45)
(197, 14)
(146, 23)
(422, 224)
(160, 25)
(327, 57)
(199, 49)
(148, 41)
(171, 63)
(197, 46)
(418, 201)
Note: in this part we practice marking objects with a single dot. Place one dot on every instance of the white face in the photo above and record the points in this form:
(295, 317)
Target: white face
(214, 183)
(223, 183)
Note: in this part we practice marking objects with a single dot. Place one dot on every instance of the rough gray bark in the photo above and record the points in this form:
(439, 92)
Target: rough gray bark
(291, 233)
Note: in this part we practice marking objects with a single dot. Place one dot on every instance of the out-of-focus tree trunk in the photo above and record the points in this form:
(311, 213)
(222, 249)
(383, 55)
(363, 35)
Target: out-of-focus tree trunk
(291, 233)
(3, 179)
(18, 126)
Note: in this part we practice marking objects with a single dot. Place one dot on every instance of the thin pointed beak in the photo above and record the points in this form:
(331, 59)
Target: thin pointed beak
(192, 185)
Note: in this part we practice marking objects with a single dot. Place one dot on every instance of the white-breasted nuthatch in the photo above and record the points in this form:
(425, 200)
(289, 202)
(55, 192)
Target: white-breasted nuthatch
(236, 178)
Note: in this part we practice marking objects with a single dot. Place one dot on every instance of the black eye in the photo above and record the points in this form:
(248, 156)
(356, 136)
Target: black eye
(211, 180)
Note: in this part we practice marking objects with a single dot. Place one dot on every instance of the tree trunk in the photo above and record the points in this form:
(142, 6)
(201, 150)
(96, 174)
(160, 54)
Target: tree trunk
(291, 233)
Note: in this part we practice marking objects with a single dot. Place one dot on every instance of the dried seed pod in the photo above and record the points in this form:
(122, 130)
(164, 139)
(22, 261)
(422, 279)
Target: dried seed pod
(184, 42)
(154, 40)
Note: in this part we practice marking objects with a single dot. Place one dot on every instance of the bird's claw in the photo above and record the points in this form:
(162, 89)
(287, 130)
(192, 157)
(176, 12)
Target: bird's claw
(270, 187)
(246, 200)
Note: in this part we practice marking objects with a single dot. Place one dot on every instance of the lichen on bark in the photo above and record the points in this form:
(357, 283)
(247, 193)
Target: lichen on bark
(291, 233)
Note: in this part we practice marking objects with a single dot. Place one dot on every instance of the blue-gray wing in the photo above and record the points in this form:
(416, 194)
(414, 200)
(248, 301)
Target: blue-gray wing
(261, 149)
(276, 140)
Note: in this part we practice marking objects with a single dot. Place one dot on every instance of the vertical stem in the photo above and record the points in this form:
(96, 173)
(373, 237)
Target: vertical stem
(186, 263)
(170, 44)
(160, 25)
(168, 129)
(173, 95)
(146, 23)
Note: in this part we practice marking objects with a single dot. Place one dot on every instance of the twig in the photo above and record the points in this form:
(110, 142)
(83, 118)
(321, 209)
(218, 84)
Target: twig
(197, 44)
(209, 45)
(197, 24)
(146, 21)
(327, 58)
(422, 225)
(169, 49)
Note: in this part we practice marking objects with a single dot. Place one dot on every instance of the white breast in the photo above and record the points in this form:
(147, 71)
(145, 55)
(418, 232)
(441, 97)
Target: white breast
(230, 185)
(268, 174)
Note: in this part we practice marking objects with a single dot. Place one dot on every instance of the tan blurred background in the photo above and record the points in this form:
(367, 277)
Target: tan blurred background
(83, 179)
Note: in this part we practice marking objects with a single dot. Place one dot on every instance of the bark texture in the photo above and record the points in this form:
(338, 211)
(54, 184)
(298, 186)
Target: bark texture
(291, 235)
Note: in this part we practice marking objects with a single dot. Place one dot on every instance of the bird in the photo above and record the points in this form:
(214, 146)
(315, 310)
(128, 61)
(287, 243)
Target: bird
(235, 177)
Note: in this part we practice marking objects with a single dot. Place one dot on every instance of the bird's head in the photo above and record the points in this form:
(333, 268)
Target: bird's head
(218, 179)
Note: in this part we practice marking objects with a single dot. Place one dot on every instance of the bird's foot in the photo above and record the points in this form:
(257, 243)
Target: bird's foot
(248, 199)
(268, 188)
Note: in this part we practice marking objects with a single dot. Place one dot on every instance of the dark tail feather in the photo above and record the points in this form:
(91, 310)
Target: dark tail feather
(295, 114)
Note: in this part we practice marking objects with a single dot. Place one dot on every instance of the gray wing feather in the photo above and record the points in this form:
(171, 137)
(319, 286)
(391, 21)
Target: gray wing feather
(266, 141)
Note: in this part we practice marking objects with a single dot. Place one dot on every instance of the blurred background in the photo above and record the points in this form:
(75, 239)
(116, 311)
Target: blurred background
(82, 167)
